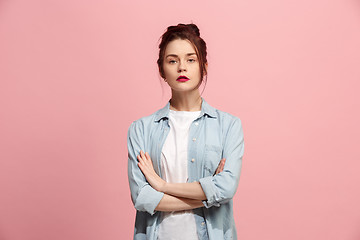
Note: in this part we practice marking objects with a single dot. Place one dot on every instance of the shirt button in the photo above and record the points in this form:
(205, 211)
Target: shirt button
(193, 160)
(196, 123)
(203, 223)
(194, 139)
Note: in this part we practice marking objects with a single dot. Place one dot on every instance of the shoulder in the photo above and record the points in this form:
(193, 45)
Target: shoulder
(142, 123)
(220, 115)
(226, 118)
(231, 125)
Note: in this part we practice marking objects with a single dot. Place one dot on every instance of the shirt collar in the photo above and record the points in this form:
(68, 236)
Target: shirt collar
(205, 109)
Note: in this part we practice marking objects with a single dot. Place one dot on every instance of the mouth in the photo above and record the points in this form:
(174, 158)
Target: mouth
(182, 79)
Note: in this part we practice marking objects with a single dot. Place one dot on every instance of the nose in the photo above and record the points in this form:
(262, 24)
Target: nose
(182, 67)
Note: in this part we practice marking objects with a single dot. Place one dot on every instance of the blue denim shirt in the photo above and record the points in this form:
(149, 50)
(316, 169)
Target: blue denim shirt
(212, 136)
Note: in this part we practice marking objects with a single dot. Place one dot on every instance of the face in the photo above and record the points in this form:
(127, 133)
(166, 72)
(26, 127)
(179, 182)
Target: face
(181, 60)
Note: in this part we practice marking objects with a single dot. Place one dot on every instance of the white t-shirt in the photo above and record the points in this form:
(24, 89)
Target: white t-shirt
(179, 224)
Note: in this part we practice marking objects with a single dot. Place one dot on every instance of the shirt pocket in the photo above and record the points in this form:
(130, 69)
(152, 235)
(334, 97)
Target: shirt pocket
(212, 157)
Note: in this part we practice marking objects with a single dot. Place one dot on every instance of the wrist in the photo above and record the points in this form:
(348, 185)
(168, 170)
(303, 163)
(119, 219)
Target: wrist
(164, 187)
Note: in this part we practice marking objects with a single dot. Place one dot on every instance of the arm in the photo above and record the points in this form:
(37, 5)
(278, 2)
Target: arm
(183, 190)
(221, 188)
(171, 203)
(192, 190)
(187, 190)
(144, 197)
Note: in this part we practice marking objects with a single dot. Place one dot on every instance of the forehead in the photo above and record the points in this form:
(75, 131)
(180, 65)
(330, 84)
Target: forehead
(179, 47)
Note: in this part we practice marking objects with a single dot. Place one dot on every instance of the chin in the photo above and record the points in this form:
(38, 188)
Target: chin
(185, 89)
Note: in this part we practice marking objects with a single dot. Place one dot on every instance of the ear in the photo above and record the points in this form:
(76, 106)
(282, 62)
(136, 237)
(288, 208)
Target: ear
(206, 67)
(161, 74)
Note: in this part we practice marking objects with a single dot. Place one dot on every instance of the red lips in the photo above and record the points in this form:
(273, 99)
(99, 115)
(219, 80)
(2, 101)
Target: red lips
(182, 77)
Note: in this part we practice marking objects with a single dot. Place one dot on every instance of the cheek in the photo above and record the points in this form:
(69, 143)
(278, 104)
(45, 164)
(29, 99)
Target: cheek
(197, 68)
(166, 69)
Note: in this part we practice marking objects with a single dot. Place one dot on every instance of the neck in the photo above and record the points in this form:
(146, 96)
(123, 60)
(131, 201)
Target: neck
(186, 101)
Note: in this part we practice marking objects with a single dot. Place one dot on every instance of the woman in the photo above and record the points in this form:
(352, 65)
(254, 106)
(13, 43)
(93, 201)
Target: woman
(184, 160)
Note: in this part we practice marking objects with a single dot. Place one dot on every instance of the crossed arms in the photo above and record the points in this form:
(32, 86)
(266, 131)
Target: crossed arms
(177, 196)
(150, 193)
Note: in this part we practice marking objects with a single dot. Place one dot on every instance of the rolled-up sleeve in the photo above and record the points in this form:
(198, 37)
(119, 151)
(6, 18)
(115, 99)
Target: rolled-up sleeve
(221, 187)
(144, 197)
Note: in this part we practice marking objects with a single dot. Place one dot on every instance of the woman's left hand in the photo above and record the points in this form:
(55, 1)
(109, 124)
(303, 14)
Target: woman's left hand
(146, 166)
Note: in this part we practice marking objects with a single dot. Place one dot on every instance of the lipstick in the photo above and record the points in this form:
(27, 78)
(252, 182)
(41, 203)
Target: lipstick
(182, 78)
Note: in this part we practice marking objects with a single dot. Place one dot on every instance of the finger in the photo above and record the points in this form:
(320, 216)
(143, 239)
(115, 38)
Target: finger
(140, 163)
(222, 166)
(144, 158)
(139, 159)
(218, 168)
(147, 156)
(149, 160)
(142, 169)
(142, 154)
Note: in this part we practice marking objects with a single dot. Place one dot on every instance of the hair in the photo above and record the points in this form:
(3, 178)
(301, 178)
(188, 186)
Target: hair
(185, 32)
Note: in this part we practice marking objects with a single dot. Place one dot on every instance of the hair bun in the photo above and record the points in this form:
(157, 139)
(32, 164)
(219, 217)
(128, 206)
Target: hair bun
(194, 28)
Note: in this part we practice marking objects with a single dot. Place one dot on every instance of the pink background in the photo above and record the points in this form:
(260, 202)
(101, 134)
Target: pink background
(75, 74)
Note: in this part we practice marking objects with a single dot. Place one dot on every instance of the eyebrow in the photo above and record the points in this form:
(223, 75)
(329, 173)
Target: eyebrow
(174, 55)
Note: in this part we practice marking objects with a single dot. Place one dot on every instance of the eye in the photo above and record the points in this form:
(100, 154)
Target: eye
(192, 60)
(171, 61)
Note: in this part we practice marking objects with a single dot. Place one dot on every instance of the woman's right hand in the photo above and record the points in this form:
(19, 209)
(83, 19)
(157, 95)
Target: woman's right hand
(220, 167)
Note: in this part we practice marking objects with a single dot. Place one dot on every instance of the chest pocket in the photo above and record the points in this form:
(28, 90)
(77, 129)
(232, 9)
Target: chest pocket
(212, 157)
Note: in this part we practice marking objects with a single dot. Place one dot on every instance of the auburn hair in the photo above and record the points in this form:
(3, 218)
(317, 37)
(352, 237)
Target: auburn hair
(185, 32)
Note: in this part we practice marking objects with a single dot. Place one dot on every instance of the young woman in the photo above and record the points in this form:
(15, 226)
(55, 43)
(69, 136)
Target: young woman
(184, 160)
